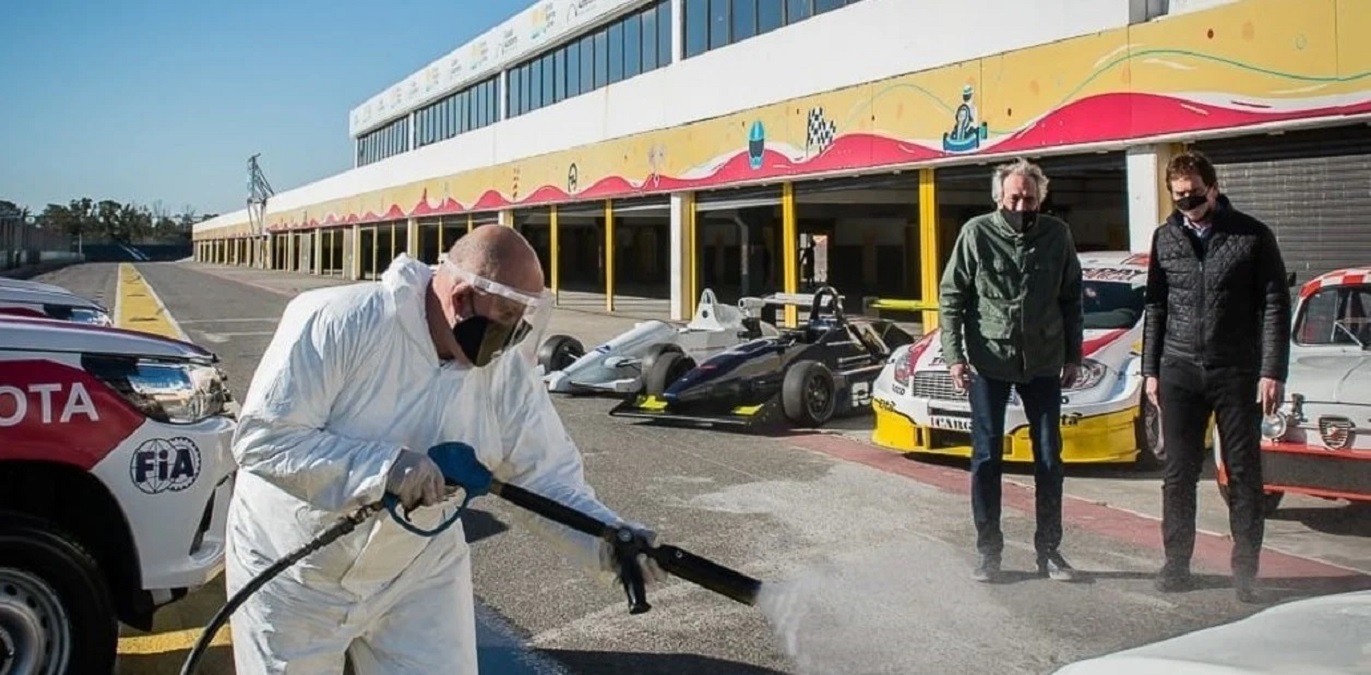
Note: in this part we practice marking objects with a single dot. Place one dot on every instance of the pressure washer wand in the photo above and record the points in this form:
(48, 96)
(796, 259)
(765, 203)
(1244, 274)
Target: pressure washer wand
(628, 545)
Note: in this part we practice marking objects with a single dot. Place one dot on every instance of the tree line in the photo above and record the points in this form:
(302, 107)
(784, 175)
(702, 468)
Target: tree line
(106, 220)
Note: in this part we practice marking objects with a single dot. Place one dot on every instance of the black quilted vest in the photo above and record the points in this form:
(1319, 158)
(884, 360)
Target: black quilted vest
(1220, 301)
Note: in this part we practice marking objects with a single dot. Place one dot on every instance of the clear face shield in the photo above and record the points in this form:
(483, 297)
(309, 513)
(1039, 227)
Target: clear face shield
(502, 322)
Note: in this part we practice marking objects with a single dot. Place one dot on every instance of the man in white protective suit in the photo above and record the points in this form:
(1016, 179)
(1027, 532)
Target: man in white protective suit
(358, 383)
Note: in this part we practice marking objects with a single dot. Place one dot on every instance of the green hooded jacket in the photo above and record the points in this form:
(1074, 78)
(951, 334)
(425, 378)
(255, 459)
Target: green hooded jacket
(1010, 301)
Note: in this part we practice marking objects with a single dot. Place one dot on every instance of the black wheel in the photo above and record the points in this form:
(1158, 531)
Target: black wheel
(648, 364)
(56, 614)
(808, 394)
(666, 369)
(558, 352)
(1271, 501)
(1152, 452)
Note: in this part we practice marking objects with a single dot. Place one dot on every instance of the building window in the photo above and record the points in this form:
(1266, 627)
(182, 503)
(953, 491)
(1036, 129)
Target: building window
(718, 23)
(696, 27)
(744, 19)
(770, 15)
(633, 45)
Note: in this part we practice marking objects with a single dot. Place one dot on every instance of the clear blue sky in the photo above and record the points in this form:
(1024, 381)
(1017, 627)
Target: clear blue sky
(143, 100)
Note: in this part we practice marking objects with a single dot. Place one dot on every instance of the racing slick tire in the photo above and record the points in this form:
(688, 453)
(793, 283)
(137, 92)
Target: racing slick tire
(664, 364)
(558, 352)
(1151, 450)
(809, 394)
(55, 606)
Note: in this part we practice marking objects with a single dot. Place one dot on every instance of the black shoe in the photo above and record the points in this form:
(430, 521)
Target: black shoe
(1245, 589)
(987, 568)
(1054, 566)
(1174, 579)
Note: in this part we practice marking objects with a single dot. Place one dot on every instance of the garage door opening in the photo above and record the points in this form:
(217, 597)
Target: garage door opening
(737, 242)
(869, 226)
(1089, 192)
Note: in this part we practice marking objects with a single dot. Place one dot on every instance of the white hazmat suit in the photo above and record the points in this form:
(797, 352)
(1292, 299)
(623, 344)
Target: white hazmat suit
(351, 377)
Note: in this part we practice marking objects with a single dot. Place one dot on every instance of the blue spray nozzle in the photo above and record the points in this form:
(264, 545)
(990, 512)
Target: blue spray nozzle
(460, 468)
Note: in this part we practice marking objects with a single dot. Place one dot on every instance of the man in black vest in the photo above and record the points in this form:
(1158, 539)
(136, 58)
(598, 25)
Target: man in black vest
(1216, 341)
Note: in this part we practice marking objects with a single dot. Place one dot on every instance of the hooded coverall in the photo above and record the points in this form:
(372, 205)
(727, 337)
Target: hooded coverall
(350, 377)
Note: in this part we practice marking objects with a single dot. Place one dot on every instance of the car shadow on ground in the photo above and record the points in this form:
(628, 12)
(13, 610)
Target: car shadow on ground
(1352, 519)
(613, 663)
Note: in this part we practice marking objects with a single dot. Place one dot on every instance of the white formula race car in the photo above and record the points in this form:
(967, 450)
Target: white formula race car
(630, 363)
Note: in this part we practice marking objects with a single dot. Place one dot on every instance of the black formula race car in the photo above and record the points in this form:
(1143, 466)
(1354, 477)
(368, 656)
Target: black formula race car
(805, 376)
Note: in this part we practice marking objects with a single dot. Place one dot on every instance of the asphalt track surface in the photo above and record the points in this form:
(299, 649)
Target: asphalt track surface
(869, 551)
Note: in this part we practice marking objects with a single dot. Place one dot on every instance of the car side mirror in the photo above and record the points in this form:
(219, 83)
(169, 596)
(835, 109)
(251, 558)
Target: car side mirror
(1290, 280)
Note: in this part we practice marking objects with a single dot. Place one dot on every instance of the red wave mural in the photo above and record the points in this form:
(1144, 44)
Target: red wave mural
(1101, 118)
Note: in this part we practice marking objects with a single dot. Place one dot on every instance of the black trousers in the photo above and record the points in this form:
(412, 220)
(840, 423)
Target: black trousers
(1189, 394)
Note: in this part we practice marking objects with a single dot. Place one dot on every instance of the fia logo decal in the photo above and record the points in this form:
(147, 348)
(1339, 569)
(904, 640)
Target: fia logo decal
(162, 465)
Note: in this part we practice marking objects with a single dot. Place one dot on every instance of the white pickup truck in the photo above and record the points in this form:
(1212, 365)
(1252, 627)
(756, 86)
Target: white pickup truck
(115, 476)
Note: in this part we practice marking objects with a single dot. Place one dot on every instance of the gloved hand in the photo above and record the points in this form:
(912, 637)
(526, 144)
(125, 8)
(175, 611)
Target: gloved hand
(652, 573)
(415, 479)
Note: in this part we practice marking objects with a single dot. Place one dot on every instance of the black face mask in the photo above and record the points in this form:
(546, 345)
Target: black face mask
(1190, 202)
(482, 340)
(1019, 220)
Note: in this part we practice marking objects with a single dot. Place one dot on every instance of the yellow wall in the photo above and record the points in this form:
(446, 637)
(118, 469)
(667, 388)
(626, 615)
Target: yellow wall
(1257, 61)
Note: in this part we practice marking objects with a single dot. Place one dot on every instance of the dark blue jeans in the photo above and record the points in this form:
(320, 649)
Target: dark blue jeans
(1042, 402)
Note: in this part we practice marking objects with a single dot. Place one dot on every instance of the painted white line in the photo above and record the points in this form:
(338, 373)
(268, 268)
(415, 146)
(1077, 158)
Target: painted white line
(220, 338)
(267, 319)
(118, 295)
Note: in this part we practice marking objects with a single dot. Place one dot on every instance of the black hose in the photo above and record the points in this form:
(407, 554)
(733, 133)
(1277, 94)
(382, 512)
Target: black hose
(342, 527)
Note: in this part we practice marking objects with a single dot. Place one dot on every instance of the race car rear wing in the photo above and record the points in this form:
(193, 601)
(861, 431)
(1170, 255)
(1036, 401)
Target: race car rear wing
(805, 300)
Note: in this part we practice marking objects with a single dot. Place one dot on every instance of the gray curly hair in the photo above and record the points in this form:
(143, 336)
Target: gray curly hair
(1019, 167)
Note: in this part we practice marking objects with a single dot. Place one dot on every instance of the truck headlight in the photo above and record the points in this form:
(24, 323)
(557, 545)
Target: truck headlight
(1090, 375)
(173, 392)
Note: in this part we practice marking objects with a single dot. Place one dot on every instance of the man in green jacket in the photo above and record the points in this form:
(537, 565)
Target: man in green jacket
(1012, 320)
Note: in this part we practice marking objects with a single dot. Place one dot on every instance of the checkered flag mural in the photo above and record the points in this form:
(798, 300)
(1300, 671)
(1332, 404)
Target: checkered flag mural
(821, 132)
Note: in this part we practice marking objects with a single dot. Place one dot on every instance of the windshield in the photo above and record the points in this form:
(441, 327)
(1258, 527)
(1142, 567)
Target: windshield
(1111, 305)
(1339, 315)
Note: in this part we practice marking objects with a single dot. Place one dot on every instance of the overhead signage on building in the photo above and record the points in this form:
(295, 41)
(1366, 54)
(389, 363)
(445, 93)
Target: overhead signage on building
(526, 33)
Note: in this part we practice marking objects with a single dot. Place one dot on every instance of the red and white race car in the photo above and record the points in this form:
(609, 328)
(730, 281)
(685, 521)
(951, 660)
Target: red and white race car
(115, 475)
(1319, 443)
(918, 410)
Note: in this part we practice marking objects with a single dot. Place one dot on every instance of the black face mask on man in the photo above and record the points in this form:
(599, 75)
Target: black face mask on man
(1019, 220)
(482, 339)
(1191, 202)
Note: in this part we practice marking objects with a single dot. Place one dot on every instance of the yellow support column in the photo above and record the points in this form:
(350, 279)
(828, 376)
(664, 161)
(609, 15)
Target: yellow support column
(693, 276)
(412, 238)
(357, 251)
(928, 244)
(553, 253)
(790, 244)
(471, 222)
(609, 255)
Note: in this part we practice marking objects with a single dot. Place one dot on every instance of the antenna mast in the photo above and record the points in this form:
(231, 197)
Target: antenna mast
(259, 190)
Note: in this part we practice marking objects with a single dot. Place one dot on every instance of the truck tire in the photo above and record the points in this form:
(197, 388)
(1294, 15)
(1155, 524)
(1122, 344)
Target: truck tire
(55, 606)
(809, 396)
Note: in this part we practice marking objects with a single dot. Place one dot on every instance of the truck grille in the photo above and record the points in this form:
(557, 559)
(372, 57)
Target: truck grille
(935, 385)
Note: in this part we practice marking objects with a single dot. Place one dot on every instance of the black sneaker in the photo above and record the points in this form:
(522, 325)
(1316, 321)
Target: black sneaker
(1055, 567)
(987, 568)
(1174, 579)
(1244, 586)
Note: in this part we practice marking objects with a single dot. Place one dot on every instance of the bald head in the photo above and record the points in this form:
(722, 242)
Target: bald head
(500, 254)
